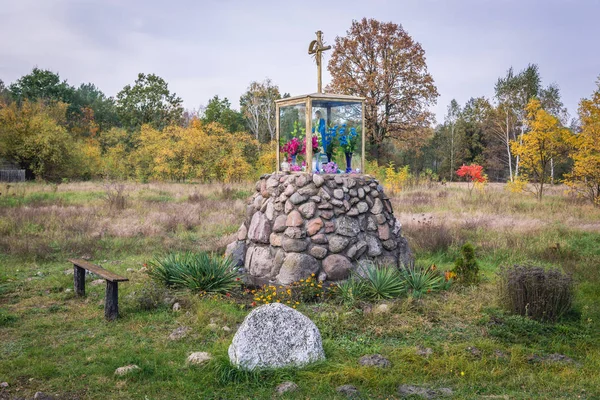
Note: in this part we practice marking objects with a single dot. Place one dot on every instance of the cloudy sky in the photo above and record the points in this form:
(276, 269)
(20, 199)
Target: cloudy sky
(207, 47)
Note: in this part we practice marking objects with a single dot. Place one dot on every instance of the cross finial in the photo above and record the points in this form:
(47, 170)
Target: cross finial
(316, 47)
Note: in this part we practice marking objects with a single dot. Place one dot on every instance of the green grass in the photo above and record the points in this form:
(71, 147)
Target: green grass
(53, 342)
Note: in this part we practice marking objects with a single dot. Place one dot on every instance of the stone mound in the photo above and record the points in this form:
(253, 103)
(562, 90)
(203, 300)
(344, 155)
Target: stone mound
(300, 224)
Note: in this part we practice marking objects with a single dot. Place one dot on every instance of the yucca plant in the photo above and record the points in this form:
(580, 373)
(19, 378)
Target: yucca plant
(384, 283)
(420, 280)
(195, 271)
(351, 290)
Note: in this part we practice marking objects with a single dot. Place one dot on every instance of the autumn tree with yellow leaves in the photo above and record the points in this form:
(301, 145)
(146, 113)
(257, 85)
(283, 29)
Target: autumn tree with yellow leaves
(584, 179)
(546, 140)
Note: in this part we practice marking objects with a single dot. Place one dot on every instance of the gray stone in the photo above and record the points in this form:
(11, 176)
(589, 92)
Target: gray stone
(309, 190)
(294, 245)
(295, 233)
(270, 210)
(279, 224)
(242, 232)
(362, 207)
(346, 205)
(423, 392)
(338, 194)
(126, 369)
(286, 386)
(329, 227)
(297, 198)
(337, 203)
(381, 309)
(354, 201)
(318, 252)
(348, 226)
(384, 231)
(389, 244)
(371, 224)
(353, 192)
(42, 396)
(325, 206)
(324, 194)
(338, 179)
(316, 199)
(327, 214)
(361, 193)
(350, 183)
(338, 211)
(374, 246)
(353, 212)
(260, 228)
(301, 180)
(97, 282)
(337, 267)
(179, 333)
(176, 307)
(297, 266)
(294, 219)
(308, 210)
(349, 391)
(288, 207)
(338, 243)
(236, 251)
(289, 190)
(276, 336)
(424, 351)
(322, 276)
(319, 239)
(198, 358)
(374, 360)
(277, 263)
(377, 206)
(318, 180)
(258, 261)
(380, 218)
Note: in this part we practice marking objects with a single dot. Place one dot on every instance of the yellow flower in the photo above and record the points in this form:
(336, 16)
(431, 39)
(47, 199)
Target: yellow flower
(301, 280)
(462, 373)
(312, 274)
(312, 284)
(293, 306)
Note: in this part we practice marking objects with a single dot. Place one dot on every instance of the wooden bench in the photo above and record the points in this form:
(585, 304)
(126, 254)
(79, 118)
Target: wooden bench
(111, 303)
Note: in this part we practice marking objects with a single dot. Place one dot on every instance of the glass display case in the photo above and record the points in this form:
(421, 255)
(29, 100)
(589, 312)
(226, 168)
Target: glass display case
(332, 125)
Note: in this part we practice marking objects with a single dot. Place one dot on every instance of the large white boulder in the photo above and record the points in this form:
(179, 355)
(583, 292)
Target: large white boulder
(276, 336)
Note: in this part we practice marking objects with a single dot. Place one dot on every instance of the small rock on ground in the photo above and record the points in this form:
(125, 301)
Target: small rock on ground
(500, 354)
(374, 360)
(199, 357)
(226, 329)
(176, 307)
(423, 392)
(4, 385)
(126, 369)
(179, 333)
(424, 351)
(42, 396)
(348, 390)
(286, 387)
(382, 309)
(97, 282)
(552, 358)
(475, 352)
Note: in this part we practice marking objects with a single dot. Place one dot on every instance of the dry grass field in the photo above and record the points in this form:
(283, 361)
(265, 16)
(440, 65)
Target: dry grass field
(53, 342)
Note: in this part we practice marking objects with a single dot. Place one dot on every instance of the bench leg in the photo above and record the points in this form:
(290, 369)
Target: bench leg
(79, 280)
(111, 303)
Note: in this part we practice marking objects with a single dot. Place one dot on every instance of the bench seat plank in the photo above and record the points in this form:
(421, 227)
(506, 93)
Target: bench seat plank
(109, 276)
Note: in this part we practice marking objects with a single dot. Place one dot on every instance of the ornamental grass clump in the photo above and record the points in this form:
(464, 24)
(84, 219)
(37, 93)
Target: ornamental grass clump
(534, 292)
(384, 283)
(195, 271)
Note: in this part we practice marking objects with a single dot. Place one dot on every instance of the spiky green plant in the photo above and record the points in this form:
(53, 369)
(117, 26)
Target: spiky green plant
(351, 290)
(420, 280)
(384, 283)
(195, 271)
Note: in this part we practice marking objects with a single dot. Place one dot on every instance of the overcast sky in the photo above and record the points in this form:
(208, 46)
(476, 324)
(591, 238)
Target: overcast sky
(207, 47)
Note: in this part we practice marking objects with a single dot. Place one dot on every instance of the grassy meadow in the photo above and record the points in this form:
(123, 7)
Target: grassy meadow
(53, 342)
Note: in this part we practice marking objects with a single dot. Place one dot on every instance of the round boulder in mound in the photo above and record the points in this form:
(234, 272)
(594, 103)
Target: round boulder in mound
(276, 336)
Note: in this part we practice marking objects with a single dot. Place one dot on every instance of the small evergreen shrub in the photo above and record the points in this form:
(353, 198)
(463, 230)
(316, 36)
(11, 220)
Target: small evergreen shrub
(534, 292)
(195, 271)
(466, 267)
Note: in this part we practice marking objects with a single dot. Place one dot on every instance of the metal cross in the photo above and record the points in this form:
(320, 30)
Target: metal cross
(316, 47)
